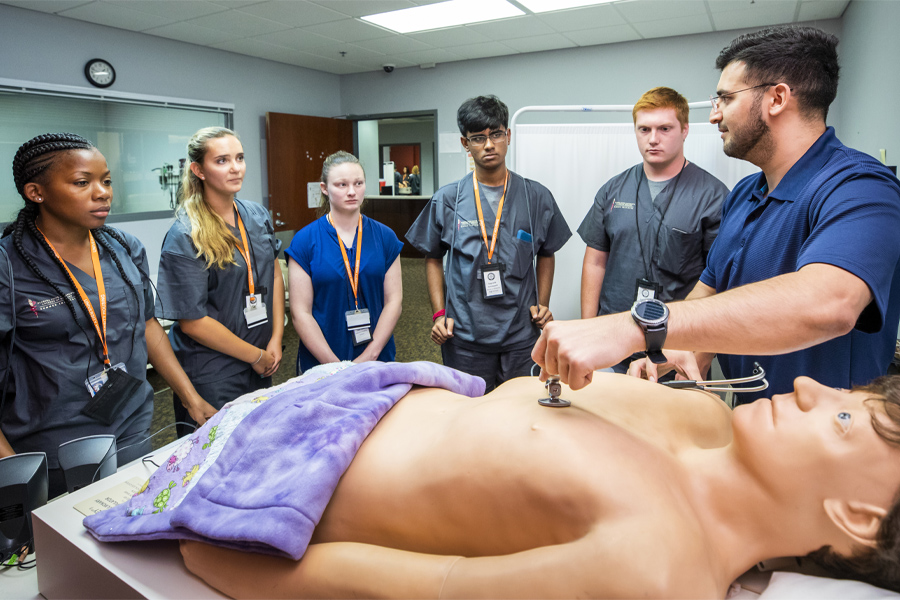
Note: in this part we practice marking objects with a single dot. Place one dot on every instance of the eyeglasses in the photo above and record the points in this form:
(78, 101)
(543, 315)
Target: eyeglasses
(496, 137)
(715, 99)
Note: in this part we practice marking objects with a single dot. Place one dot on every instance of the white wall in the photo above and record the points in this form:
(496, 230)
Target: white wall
(367, 141)
(869, 89)
(43, 47)
(610, 74)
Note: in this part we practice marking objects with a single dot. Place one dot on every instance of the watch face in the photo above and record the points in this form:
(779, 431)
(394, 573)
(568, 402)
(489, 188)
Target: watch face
(100, 73)
(652, 311)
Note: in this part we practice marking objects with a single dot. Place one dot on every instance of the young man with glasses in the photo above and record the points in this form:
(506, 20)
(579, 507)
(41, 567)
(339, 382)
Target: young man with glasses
(805, 266)
(494, 223)
(650, 227)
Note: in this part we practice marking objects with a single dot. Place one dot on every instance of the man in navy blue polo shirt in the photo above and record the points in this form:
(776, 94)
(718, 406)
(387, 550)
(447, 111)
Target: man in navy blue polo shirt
(803, 277)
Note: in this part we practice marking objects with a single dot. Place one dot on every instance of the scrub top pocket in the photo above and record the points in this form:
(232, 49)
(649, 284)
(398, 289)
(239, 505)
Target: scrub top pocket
(679, 250)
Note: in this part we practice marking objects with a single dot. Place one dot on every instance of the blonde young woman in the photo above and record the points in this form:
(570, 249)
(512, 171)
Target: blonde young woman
(219, 277)
(344, 271)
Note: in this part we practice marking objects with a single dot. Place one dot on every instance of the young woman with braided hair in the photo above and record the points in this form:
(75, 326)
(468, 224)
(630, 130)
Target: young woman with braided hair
(83, 312)
(219, 277)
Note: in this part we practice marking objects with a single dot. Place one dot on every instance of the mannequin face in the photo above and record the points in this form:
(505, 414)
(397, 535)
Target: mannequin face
(346, 187)
(77, 190)
(819, 440)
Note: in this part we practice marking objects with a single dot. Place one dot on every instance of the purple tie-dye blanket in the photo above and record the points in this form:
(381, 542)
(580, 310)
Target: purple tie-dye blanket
(259, 474)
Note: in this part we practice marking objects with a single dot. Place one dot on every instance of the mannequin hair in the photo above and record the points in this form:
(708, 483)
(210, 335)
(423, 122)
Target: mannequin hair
(212, 238)
(33, 163)
(880, 565)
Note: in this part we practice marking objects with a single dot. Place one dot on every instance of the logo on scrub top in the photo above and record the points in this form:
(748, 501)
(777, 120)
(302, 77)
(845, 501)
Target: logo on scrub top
(460, 224)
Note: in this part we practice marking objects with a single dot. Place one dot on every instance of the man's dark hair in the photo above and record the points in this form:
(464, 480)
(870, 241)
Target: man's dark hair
(483, 112)
(805, 58)
(879, 565)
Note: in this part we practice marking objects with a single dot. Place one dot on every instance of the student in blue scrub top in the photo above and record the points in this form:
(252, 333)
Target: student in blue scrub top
(344, 271)
(220, 279)
(76, 296)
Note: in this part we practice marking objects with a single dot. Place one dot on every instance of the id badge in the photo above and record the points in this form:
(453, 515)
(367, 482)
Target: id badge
(96, 381)
(111, 398)
(255, 311)
(646, 289)
(361, 335)
(491, 281)
(358, 318)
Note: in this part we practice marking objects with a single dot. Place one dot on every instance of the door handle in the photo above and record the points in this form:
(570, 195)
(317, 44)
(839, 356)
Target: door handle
(279, 223)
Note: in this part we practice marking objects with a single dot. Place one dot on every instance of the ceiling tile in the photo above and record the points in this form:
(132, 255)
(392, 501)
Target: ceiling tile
(240, 24)
(299, 39)
(302, 59)
(517, 27)
(48, 6)
(754, 15)
(375, 61)
(822, 9)
(349, 30)
(114, 15)
(395, 44)
(295, 13)
(452, 36)
(484, 50)
(190, 33)
(657, 10)
(539, 43)
(253, 47)
(235, 3)
(675, 26)
(603, 35)
(362, 8)
(438, 55)
(172, 10)
(582, 18)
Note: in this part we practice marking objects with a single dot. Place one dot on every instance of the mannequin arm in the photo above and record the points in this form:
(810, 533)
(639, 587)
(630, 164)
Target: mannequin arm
(348, 570)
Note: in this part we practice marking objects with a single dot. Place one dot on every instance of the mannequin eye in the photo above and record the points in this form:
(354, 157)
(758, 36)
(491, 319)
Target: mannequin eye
(844, 420)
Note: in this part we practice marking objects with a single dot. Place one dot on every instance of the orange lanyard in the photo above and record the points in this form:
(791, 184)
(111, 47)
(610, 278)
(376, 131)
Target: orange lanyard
(354, 277)
(481, 217)
(101, 292)
(246, 251)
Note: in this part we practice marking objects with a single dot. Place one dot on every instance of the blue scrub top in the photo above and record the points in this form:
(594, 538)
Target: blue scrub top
(54, 354)
(315, 249)
(835, 206)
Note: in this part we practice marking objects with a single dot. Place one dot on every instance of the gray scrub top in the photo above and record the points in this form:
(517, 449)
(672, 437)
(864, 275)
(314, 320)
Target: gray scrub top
(53, 356)
(188, 290)
(449, 220)
(676, 255)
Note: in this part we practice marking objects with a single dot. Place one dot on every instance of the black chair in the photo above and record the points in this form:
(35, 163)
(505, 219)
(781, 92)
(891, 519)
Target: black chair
(23, 488)
(79, 460)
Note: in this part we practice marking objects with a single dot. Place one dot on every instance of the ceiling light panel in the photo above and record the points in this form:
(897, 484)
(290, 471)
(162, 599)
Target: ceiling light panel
(444, 14)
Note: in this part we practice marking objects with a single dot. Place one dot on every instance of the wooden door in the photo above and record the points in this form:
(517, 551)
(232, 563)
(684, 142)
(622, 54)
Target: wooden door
(296, 147)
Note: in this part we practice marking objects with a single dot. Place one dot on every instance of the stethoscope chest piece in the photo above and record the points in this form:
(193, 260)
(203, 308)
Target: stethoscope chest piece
(554, 388)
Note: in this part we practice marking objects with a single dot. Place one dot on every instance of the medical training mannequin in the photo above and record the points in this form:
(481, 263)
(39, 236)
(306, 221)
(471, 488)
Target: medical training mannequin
(344, 264)
(65, 262)
(220, 279)
(637, 490)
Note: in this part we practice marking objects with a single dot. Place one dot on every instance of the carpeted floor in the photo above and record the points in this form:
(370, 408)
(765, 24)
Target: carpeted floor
(412, 336)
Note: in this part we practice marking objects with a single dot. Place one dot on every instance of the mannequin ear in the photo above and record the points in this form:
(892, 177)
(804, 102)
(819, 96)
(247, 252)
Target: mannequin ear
(859, 520)
(195, 169)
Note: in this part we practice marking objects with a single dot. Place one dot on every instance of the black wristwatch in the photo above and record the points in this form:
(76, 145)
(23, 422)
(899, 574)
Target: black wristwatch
(652, 316)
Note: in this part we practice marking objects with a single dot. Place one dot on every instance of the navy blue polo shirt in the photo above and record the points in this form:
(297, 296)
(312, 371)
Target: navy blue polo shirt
(835, 206)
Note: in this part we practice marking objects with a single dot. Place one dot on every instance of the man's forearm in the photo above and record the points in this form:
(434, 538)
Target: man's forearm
(434, 276)
(779, 315)
(546, 265)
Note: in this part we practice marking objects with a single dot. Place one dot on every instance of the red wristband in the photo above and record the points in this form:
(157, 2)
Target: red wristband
(439, 313)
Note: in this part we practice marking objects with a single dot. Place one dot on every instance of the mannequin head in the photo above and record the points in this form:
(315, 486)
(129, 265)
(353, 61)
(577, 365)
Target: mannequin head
(877, 563)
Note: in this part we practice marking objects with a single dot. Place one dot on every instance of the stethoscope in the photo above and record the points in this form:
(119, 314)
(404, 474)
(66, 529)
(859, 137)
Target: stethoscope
(718, 385)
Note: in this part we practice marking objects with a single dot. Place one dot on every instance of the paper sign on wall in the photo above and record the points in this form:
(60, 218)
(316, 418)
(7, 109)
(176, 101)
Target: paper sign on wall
(313, 194)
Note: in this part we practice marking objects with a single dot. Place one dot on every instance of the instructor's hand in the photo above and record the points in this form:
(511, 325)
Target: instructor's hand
(574, 349)
(685, 363)
(442, 330)
(541, 315)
